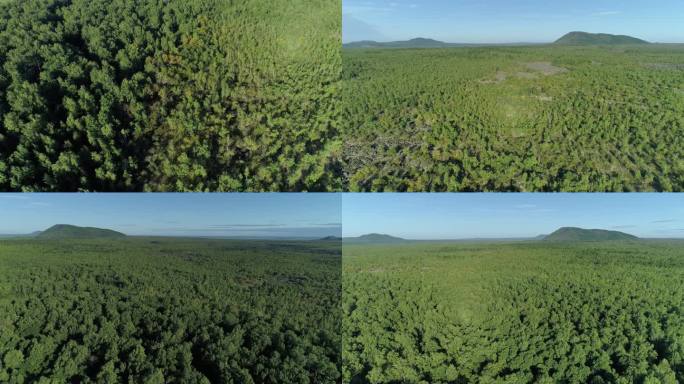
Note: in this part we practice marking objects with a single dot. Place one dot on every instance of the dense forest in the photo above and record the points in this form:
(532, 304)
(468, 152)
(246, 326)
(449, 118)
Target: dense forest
(169, 95)
(529, 312)
(152, 310)
(546, 118)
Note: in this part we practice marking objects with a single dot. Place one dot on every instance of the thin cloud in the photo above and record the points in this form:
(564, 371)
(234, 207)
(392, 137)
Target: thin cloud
(606, 13)
(665, 221)
(249, 229)
(365, 9)
(669, 230)
(40, 204)
(268, 231)
(369, 7)
(221, 230)
(355, 29)
(14, 197)
(231, 226)
(517, 210)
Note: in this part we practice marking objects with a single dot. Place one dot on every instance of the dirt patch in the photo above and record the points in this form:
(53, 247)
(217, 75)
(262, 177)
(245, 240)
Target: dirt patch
(532, 71)
(545, 68)
(543, 98)
(498, 78)
(518, 133)
(526, 75)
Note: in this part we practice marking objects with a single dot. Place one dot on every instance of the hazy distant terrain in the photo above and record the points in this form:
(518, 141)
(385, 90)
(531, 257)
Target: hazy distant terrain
(373, 238)
(413, 43)
(572, 38)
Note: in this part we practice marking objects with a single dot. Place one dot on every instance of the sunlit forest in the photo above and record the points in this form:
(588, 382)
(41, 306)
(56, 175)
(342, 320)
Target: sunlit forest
(164, 310)
(527, 312)
(545, 118)
(172, 95)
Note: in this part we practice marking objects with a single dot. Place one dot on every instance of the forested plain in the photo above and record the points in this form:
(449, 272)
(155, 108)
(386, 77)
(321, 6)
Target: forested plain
(528, 312)
(161, 310)
(169, 95)
(534, 118)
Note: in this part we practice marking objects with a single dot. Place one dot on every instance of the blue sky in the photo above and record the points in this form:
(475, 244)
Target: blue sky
(505, 21)
(183, 214)
(462, 215)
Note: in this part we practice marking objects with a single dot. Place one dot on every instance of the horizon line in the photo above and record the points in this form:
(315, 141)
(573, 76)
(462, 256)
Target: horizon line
(28, 235)
(544, 42)
(490, 43)
(508, 237)
(501, 238)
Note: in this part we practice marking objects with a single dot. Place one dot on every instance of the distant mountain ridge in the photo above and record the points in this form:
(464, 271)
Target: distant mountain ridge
(374, 238)
(418, 42)
(580, 234)
(565, 234)
(585, 38)
(65, 231)
(331, 238)
(572, 38)
(421, 42)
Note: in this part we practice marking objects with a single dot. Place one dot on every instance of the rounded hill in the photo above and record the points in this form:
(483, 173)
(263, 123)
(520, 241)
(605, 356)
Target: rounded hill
(374, 238)
(65, 231)
(585, 38)
(579, 234)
